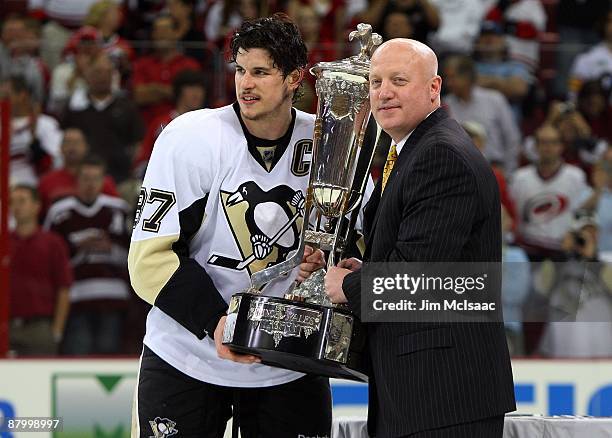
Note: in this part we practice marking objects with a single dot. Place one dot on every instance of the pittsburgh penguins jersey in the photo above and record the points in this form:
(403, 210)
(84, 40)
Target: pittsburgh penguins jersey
(212, 211)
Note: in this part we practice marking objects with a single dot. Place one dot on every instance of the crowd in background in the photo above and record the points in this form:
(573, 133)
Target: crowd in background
(93, 82)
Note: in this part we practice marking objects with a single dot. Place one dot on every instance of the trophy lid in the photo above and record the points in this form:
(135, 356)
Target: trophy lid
(358, 65)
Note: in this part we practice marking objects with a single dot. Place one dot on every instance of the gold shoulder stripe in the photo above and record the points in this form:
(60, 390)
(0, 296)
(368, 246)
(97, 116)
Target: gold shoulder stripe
(151, 263)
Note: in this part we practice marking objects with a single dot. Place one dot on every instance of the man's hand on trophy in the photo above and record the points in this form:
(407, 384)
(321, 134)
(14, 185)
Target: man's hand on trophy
(333, 284)
(225, 353)
(312, 261)
(352, 264)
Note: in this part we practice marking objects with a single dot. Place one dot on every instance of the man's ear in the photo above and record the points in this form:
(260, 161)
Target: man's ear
(436, 87)
(295, 78)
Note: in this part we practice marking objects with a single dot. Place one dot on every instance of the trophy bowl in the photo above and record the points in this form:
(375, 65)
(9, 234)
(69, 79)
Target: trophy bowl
(309, 338)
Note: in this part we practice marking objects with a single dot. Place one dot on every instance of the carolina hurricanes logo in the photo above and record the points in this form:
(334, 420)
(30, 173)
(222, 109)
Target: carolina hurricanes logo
(545, 207)
(265, 225)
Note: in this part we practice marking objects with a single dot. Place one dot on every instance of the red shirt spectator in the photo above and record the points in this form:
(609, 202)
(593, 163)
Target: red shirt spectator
(155, 70)
(62, 183)
(39, 269)
(153, 74)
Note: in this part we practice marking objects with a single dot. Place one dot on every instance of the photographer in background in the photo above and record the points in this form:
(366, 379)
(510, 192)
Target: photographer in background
(600, 202)
(580, 305)
(580, 147)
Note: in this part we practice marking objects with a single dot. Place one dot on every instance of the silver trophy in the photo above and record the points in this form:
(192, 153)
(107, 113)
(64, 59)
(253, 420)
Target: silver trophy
(304, 331)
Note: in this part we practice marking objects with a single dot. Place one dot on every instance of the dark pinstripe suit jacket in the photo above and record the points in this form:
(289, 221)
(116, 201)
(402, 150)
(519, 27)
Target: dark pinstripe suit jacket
(441, 203)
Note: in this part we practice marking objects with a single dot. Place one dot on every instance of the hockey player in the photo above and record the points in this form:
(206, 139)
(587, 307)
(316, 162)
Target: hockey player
(222, 198)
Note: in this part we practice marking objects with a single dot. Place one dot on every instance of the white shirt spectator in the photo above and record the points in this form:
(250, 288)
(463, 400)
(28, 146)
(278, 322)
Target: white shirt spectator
(546, 207)
(524, 50)
(459, 24)
(591, 65)
(50, 137)
(490, 109)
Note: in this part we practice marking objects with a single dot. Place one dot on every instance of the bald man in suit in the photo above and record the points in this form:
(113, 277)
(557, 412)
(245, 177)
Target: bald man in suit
(438, 201)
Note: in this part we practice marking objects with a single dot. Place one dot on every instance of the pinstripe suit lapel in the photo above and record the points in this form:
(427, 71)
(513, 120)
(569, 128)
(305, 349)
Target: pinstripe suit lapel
(408, 150)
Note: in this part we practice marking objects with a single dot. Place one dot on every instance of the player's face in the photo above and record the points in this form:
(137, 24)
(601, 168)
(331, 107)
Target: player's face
(261, 89)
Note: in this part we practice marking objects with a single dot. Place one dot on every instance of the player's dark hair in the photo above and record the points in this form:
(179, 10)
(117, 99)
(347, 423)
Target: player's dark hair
(279, 36)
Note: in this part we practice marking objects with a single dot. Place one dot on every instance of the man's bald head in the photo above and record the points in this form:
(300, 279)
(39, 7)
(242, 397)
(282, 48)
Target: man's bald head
(404, 85)
(412, 50)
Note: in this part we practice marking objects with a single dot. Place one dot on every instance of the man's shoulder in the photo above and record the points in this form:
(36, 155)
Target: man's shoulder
(58, 210)
(113, 202)
(198, 132)
(573, 171)
(523, 171)
(489, 95)
(305, 118)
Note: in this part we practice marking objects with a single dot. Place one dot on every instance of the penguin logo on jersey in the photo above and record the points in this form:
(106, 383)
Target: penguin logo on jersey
(265, 225)
(162, 427)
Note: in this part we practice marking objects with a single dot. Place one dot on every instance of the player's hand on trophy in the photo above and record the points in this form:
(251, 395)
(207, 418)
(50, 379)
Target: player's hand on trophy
(352, 264)
(225, 353)
(313, 260)
(333, 284)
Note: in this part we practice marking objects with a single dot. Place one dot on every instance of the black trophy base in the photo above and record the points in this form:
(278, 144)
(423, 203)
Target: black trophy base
(298, 336)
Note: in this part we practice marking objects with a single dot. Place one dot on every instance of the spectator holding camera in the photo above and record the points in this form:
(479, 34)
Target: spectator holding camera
(581, 295)
(595, 106)
(580, 147)
(600, 201)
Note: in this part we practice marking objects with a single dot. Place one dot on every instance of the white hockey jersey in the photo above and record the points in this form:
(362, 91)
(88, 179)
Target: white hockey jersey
(211, 214)
(546, 206)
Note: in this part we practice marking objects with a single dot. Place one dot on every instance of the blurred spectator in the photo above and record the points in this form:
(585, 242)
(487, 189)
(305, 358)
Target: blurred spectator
(111, 123)
(190, 40)
(62, 18)
(189, 94)
(16, 58)
(600, 201)
(332, 16)
(62, 182)
(40, 277)
(581, 299)
(94, 226)
(546, 194)
(421, 16)
(153, 74)
(596, 62)
(308, 22)
(516, 284)
(581, 148)
(35, 137)
(106, 16)
(496, 71)
(459, 25)
(69, 77)
(478, 135)
(522, 21)
(226, 15)
(468, 101)
(577, 24)
(595, 106)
